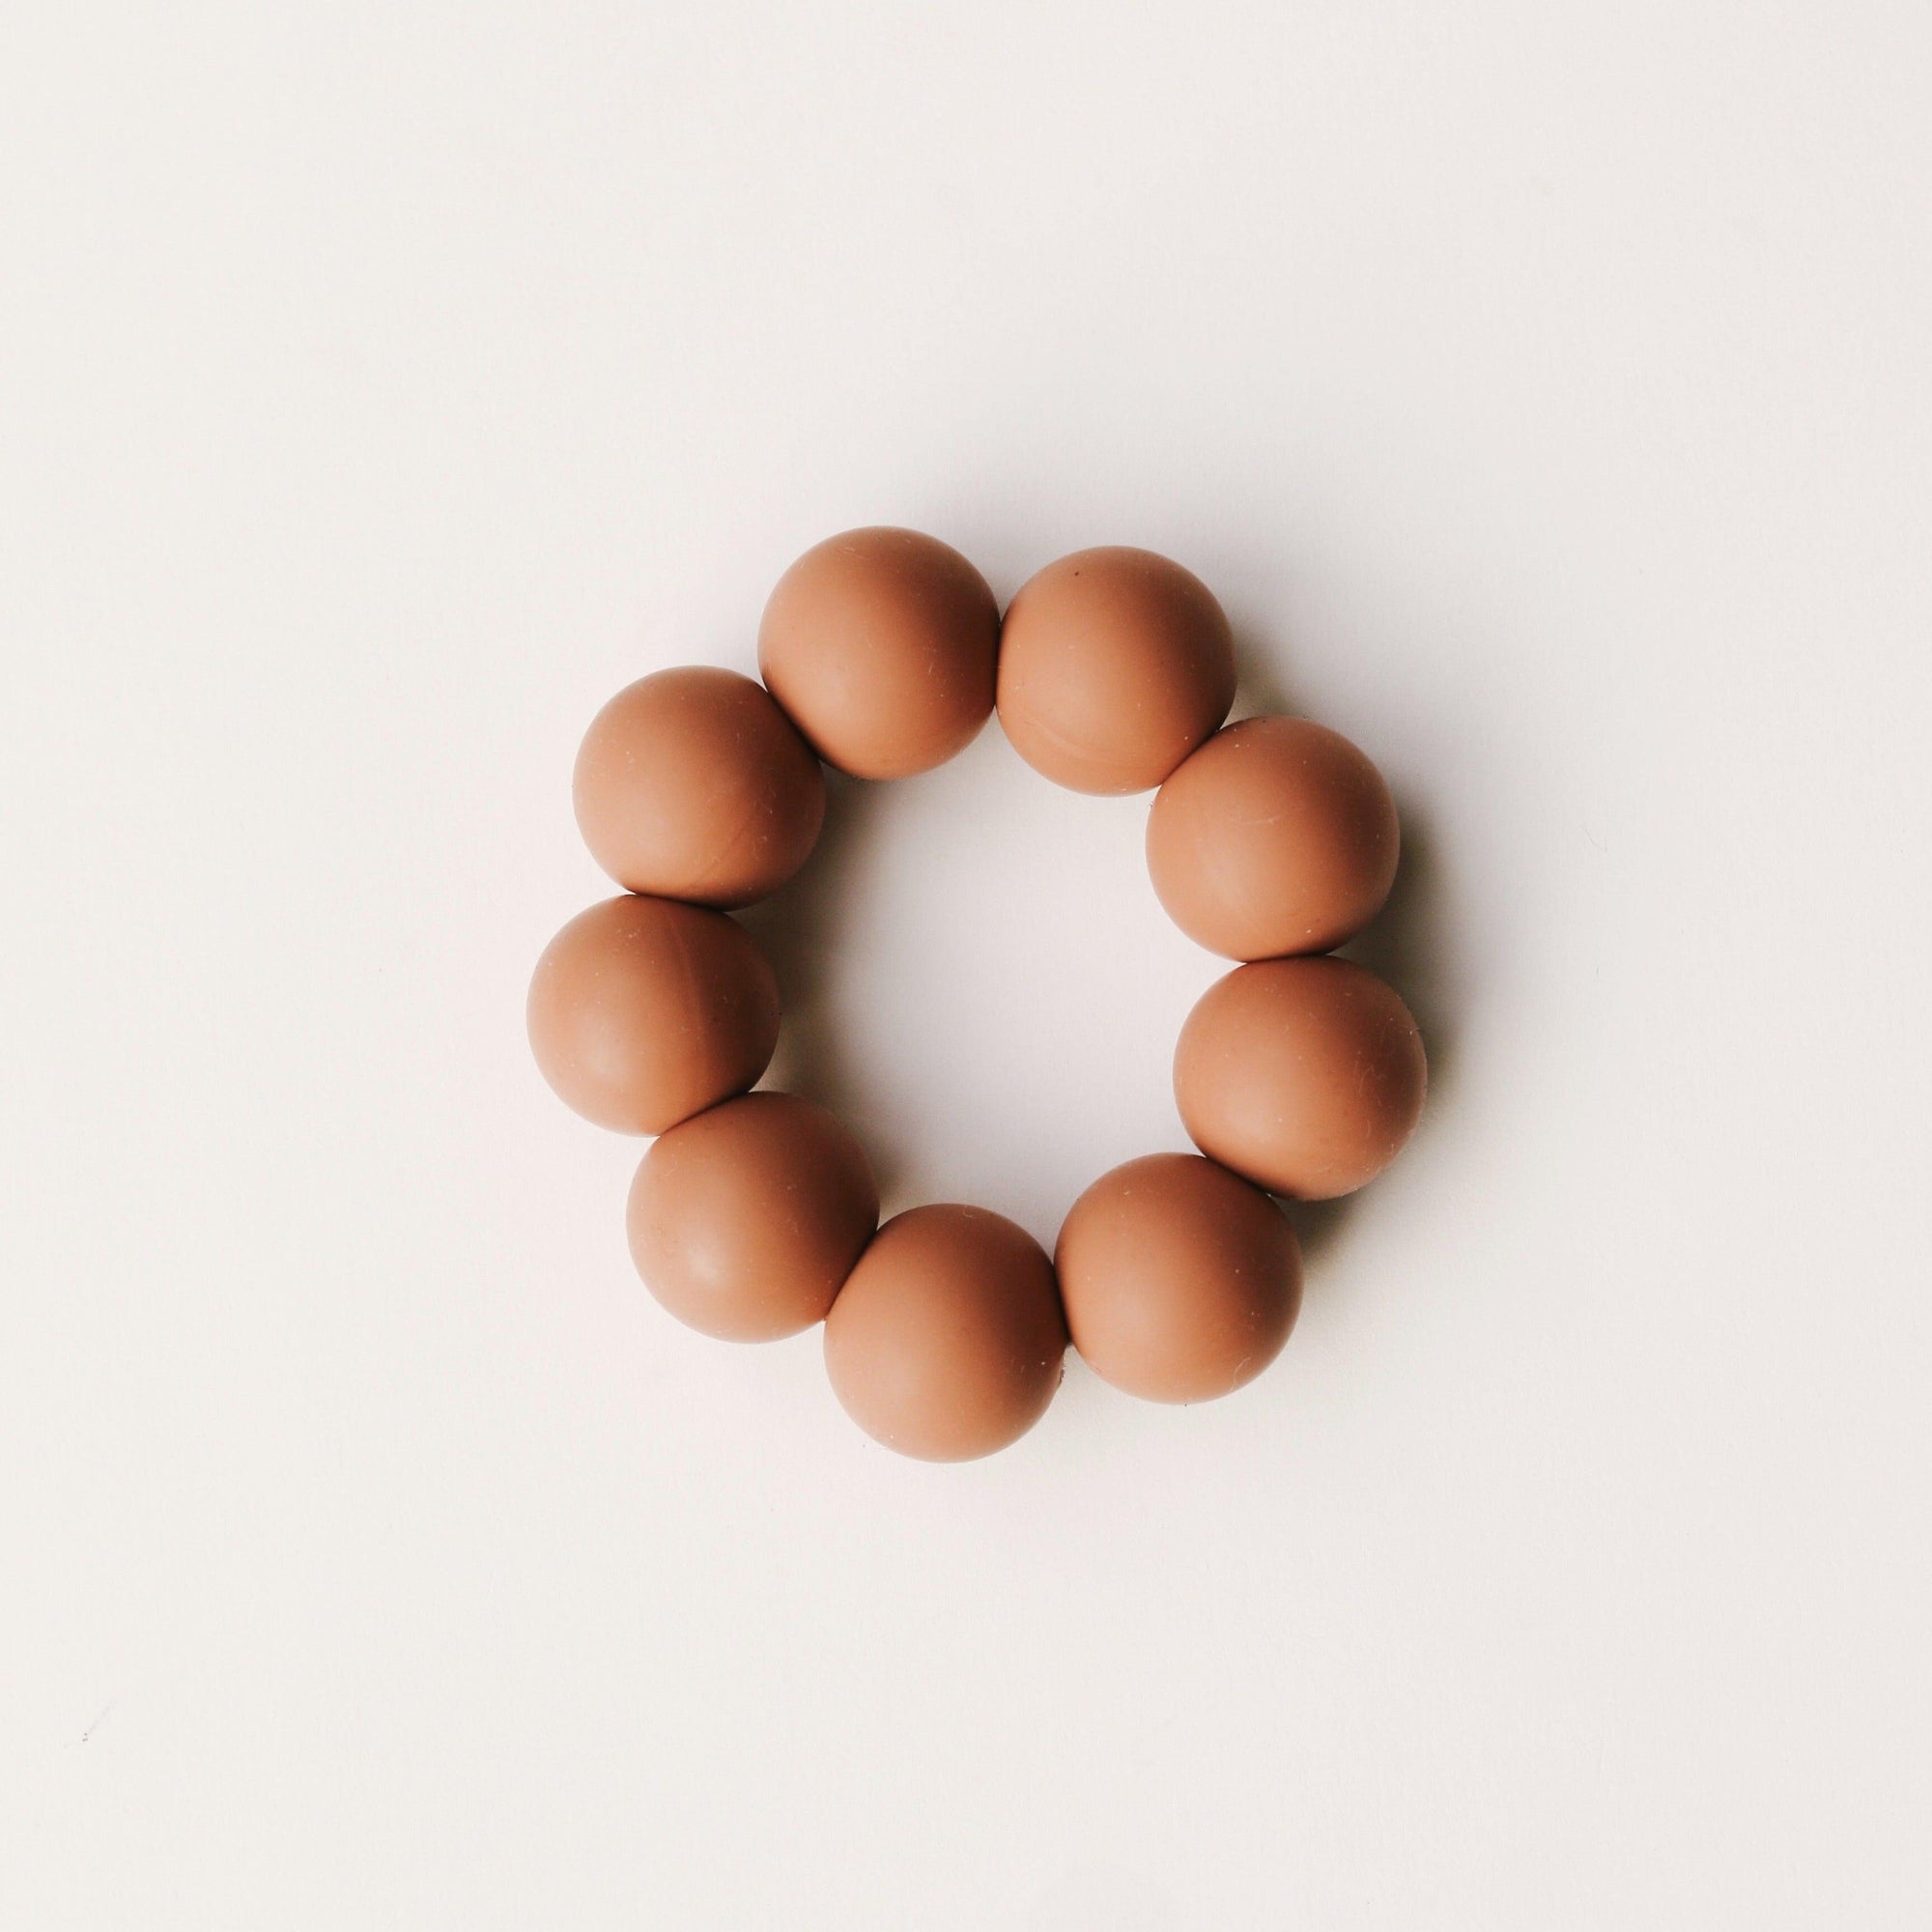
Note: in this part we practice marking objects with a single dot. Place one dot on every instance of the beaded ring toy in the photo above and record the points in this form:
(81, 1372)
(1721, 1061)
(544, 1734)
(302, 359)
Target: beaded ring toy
(754, 1215)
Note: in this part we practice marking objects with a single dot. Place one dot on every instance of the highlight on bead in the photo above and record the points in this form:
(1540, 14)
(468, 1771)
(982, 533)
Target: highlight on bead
(756, 1216)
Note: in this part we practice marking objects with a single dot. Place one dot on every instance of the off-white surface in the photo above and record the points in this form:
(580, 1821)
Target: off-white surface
(1545, 388)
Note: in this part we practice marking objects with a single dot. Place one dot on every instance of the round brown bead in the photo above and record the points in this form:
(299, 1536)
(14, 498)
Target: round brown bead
(1180, 1281)
(948, 1341)
(693, 784)
(881, 645)
(643, 1010)
(1114, 665)
(1304, 1075)
(746, 1219)
(1276, 836)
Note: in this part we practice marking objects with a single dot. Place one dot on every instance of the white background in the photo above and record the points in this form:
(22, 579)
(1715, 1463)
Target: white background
(1544, 391)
